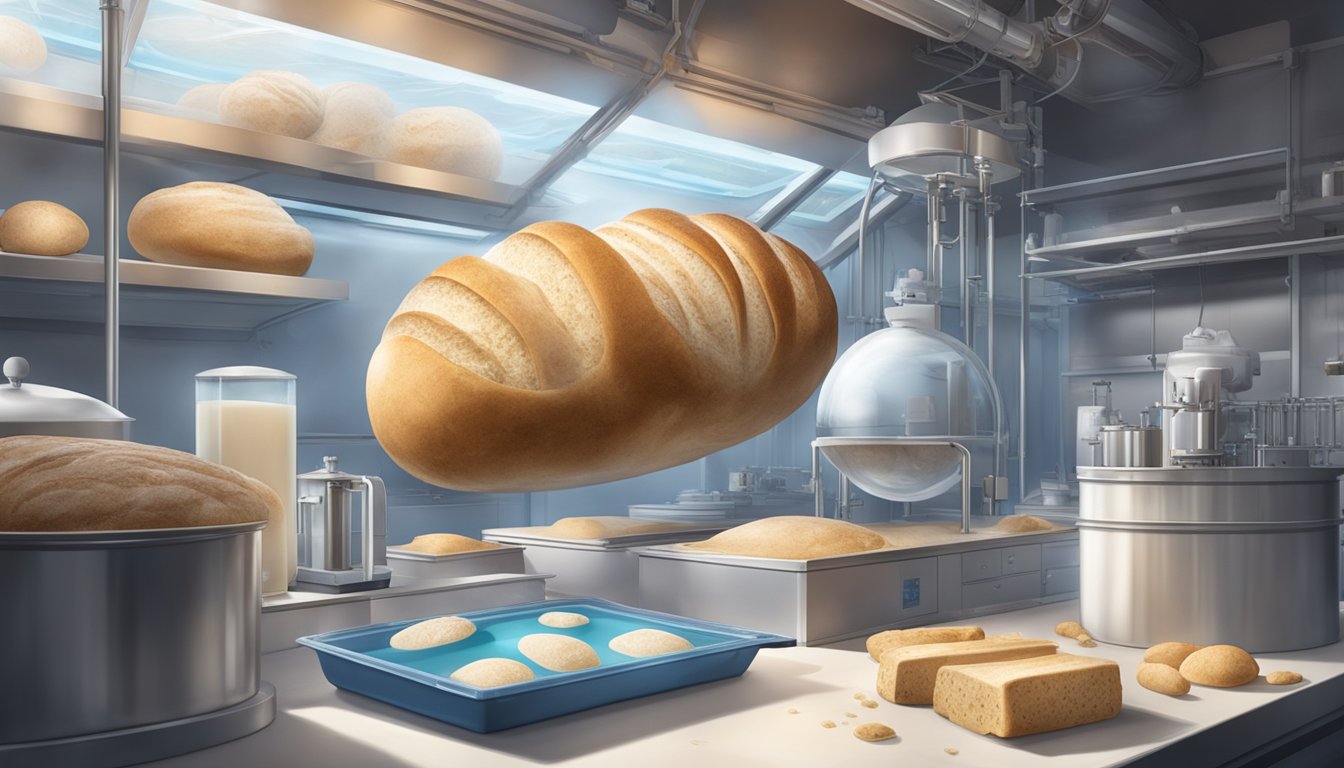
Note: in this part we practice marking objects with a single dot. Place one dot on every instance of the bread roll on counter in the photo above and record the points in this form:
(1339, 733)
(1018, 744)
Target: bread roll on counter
(566, 357)
(22, 48)
(82, 484)
(448, 139)
(42, 228)
(203, 98)
(223, 226)
(353, 117)
(273, 101)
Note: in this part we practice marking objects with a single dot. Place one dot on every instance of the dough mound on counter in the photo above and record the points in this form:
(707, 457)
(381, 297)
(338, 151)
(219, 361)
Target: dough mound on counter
(273, 101)
(899, 638)
(82, 484)
(1163, 679)
(562, 619)
(448, 139)
(648, 642)
(203, 98)
(446, 544)
(558, 653)
(1172, 654)
(22, 48)
(1023, 524)
(604, 526)
(792, 537)
(42, 228)
(217, 225)
(1220, 666)
(493, 672)
(354, 116)
(874, 732)
(432, 633)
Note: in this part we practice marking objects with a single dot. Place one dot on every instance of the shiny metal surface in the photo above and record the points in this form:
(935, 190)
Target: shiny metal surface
(117, 629)
(34, 409)
(1126, 445)
(1246, 556)
(927, 148)
(899, 461)
(112, 16)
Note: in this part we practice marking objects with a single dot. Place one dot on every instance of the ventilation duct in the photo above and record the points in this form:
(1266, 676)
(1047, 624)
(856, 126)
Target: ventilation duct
(1090, 51)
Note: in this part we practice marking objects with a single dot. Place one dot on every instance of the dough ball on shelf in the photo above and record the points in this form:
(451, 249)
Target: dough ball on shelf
(448, 139)
(22, 48)
(353, 117)
(203, 98)
(273, 101)
(42, 228)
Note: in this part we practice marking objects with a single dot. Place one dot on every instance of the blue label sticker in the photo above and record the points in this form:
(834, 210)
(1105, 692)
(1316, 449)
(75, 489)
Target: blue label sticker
(910, 593)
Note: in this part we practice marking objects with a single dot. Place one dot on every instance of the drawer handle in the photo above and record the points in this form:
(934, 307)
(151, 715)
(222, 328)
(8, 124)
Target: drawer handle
(1010, 559)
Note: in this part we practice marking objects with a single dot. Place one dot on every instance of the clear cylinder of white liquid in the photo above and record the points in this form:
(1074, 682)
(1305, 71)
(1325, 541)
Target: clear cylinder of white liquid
(246, 420)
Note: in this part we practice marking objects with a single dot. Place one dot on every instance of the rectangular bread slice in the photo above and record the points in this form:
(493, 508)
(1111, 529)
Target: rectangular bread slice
(1017, 698)
(906, 675)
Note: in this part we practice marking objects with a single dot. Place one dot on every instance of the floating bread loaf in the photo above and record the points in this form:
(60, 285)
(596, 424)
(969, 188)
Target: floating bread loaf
(566, 357)
(43, 228)
(223, 226)
(82, 484)
(899, 638)
(353, 117)
(448, 139)
(273, 101)
(446, 544)
(906, 675)
(792, 537)
(1026, 696)
(22, 48)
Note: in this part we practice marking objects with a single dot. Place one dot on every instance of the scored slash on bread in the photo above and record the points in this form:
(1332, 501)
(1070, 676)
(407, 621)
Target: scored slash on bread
(566, 357)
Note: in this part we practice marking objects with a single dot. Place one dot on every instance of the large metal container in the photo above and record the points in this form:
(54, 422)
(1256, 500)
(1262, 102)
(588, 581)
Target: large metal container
(111, 630)
(1127, 445)
(1241, 555)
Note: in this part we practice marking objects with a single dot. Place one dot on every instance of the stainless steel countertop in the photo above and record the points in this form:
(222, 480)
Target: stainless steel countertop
(746, 721)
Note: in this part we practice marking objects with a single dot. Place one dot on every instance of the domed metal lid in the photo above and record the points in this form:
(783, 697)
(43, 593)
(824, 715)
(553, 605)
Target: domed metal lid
(20, 402)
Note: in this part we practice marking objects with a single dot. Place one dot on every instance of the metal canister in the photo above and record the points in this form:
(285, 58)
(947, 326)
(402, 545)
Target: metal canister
(1127, 445)
(1332, 179)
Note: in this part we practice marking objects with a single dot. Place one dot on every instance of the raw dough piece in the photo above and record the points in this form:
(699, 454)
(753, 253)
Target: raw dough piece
(1023, 524)
(353, 118)
(1221, 666)
(492, 673)
(1074, 630)
(1171, 654)
(792, 537)
(558, 653)
(22, 48)
(604, 526)
(898, 638)
(448, 139)
(648, 642)
(562, 619)
(273, 101)
(1025, 696)
(446, 544)
(432, 633)
(42, 228)
(874, 732)
(1283, 678)
(1163, 679)
(827, 723)
(203, 98)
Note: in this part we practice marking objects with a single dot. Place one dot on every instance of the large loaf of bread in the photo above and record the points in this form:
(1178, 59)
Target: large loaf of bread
(566, 357)
(81, 484)
(907, 675)
(1035, 695)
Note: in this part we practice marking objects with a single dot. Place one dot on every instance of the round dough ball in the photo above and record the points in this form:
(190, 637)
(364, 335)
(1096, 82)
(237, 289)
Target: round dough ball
(42, 228)
(446, 544)
(448, 139)
(273, 101)
(22, 48)
(1171, 654)
(558, 653)
(1163, 679)
(492, 673)
(1221, 666)
(562, 619)
(353, 117)
(874, 732)
(203, 98)
(222, 226)
(432, 633)
(648, 642)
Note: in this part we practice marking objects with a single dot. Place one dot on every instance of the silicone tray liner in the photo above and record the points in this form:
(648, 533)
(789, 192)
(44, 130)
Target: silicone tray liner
(360, 660)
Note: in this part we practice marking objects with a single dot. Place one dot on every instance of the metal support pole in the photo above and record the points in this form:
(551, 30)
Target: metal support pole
(965, 486)
(967, 252)
(816, 482)
(112, 20)
(842, 498)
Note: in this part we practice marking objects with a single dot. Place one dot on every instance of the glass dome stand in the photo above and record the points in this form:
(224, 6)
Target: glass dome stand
(824, 442)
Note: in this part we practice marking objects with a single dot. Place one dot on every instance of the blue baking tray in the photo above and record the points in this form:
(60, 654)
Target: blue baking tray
(360, 660)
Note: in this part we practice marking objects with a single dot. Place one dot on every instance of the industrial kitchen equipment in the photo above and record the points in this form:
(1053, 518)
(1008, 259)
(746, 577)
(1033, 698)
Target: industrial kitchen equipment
(34, 409)
(327, 560)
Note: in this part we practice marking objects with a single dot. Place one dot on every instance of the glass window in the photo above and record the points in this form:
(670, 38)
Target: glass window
(826, 213)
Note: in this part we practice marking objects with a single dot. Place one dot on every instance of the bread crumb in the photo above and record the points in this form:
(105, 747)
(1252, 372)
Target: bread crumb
(1086, 641)
(850, 715)
(844, 722)
(869, 703)
(793, 711)
(827, 723)
(952, 750)
(874, 732)
(1283, 678)
(860, 696)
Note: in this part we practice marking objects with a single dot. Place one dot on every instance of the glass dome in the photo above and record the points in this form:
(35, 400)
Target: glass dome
(903, 384)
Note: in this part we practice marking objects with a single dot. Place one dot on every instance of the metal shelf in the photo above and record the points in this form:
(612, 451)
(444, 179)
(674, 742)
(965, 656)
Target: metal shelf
(1316, 245)
(1226, 221)
(69, 289)
(1204, 170)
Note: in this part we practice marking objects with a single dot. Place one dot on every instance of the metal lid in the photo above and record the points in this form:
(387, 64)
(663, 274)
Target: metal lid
(20, 402)
(1129, 428)
(245, 372)
(328, 472)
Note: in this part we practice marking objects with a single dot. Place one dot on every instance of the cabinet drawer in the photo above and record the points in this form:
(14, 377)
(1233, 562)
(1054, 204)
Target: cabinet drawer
(1059, 554)
(1021, 559)
(983, 564)
(1009, 589)
(1061, 581)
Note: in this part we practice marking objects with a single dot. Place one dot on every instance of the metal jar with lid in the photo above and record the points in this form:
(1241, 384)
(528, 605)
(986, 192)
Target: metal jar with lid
(1128, 445)
(34, 409)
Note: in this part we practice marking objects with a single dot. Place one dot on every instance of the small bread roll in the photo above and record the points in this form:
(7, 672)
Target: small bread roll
(1171, 654)
(353, 117)
(432, 633)
(562, 619)
(22, 48)
(648, 642)
(1283, 678)
(203, 98)
(222, 226)
(1163, 679)
(42, 228)
(492, 673)
(448, 139)
(874, 732)
(446, 544)
(1221, 666)
(273, 101)
(558, 653)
